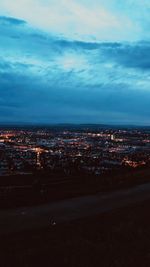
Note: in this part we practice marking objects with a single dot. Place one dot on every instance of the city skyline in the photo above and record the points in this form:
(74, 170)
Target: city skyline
(75, 62)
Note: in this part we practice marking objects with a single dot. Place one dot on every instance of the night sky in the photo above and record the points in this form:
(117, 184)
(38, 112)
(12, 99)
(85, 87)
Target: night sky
(75, 61)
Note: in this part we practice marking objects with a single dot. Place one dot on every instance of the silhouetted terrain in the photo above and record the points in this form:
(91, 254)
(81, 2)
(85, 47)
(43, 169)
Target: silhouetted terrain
(30, 190)
(117, 239)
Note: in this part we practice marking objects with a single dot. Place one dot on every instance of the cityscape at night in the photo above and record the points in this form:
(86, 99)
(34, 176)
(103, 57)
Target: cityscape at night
(88, 150)
(74, 133)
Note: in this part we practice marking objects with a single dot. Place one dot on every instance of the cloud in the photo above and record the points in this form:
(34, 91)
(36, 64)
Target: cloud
(131, 55)
(49, 78)
(77, 19)
(11, 21)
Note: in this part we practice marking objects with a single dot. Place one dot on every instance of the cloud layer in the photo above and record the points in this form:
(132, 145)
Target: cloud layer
(81, 63)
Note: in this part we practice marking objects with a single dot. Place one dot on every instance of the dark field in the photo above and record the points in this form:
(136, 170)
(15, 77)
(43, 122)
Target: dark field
(31, 190)
(116, 239)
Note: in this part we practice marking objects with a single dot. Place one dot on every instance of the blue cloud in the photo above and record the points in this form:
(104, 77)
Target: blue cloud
(130, 55)
(11, 21)
(47, 78)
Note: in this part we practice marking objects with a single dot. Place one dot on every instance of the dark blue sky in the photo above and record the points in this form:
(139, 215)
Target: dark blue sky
(75, 61)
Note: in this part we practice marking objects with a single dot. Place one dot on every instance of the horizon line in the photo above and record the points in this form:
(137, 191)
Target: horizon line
(19, 124)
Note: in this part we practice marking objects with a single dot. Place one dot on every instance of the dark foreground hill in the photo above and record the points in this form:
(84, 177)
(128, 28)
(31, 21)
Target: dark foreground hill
(116, 239)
